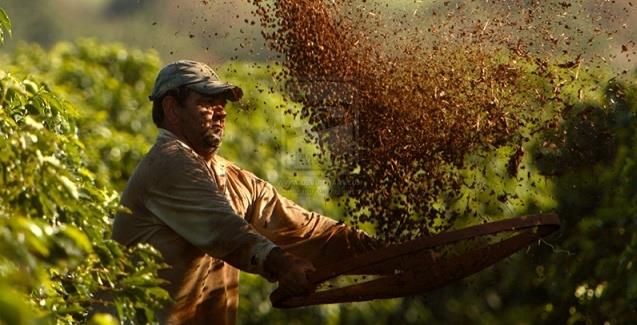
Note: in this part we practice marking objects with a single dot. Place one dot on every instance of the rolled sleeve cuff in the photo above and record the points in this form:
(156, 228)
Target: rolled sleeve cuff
(259, 254)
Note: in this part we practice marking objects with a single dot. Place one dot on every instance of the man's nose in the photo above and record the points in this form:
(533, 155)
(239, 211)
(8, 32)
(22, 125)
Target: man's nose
(218, 114)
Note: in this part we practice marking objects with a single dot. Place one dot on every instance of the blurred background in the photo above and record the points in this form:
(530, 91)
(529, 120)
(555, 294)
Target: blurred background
(211, 31)
(217, 31)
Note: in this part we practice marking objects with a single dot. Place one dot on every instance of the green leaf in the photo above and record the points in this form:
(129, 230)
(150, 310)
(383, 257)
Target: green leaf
(103, 319)
(78, 237)
(5, 24)
(70, 187)
(13, 310)
(34, 235)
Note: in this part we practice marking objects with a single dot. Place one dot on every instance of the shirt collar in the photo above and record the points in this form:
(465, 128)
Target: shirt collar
(167, 135)
(217, 163)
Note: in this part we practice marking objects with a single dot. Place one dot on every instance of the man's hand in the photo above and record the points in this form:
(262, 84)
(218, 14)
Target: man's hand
(290, 271)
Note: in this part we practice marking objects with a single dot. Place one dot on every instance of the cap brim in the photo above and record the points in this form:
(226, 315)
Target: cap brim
(231, 92)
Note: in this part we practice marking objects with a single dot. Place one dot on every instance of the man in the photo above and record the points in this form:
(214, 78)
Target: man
(208, 217)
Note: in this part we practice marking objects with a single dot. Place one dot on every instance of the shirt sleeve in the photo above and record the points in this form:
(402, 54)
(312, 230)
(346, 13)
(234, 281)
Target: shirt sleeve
(307, 234)
(185, 197)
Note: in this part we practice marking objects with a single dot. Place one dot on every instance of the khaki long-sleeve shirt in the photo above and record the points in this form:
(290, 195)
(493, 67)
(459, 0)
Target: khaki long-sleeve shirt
(211, 218)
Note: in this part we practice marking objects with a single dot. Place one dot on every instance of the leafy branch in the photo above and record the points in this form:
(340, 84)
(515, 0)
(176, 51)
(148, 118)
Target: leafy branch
(5, 25)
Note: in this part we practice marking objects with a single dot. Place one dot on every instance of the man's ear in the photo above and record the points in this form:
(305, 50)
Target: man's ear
(170, 107)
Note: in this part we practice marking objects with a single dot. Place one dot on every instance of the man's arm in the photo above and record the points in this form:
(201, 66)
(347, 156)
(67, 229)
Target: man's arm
(185, 197)
(318, 238)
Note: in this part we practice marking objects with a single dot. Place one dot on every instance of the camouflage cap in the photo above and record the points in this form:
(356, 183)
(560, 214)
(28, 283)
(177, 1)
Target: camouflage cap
(196, 76)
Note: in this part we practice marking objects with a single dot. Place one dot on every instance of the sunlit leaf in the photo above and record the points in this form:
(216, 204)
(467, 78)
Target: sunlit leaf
(5, 22)
(78, 237)
(13, 309)
(70, 186)
(103, 319)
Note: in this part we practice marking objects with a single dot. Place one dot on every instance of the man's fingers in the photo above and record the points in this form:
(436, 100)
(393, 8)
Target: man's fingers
(296, 282)
(293, 272)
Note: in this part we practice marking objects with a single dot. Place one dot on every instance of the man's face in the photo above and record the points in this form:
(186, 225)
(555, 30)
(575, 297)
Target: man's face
(202, 121)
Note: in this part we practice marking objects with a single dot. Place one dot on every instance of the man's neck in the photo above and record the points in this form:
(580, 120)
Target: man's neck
(180, 136)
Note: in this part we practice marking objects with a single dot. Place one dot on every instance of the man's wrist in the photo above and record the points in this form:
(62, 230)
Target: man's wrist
(275, 264)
